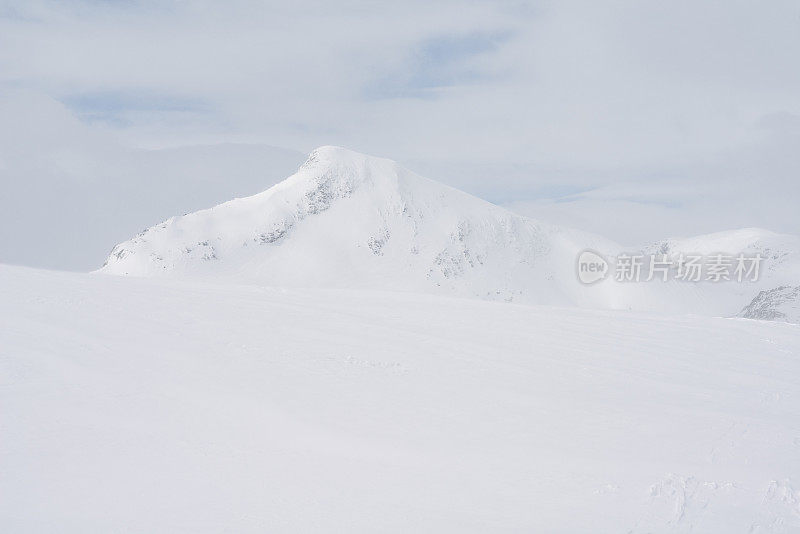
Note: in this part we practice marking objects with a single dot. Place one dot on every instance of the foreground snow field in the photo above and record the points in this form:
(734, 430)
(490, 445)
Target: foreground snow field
(160, 405)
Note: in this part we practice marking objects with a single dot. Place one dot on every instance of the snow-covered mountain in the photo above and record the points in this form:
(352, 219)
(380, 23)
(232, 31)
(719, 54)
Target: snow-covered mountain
(350, 220)
(346, 219)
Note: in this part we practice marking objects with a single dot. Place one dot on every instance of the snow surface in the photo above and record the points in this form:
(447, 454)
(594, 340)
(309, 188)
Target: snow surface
(182, 405)
(354, 221)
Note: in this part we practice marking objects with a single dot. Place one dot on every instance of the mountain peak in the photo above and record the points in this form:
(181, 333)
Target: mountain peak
(333, 162)
(326, 155)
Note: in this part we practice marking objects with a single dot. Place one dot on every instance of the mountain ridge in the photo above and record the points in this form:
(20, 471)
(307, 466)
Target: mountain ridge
(346, 219)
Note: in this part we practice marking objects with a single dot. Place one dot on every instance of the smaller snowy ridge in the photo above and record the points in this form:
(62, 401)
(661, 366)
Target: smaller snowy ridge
(780, 251)
(779, 268)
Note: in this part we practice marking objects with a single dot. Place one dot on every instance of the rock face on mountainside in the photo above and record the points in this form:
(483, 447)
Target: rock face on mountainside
(778, 304)
(347, 220)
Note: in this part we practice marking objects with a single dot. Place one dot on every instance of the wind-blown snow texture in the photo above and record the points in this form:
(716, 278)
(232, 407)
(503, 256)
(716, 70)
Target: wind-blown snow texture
(350, 220)
(150, 405)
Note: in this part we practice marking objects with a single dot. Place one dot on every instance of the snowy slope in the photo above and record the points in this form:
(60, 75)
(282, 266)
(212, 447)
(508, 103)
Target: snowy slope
(350, 220)
(150, 405)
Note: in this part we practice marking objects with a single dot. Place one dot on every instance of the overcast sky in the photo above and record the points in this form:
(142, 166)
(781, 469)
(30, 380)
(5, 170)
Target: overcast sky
(640, 120)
